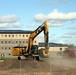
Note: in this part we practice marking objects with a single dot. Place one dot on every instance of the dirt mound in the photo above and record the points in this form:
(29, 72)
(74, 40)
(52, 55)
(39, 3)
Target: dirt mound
(27, 65)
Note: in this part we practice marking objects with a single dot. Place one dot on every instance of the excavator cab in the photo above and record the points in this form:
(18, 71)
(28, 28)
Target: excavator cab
(35, 52)
(34, 49)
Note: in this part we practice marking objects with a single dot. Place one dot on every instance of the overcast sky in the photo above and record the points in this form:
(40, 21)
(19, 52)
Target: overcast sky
(29, 14)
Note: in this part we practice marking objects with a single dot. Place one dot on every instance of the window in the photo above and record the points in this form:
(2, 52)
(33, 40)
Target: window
(23, 41)
(9, 48)
(5, 35)
(5, 41)
(16, 42)
(5, 47)
(12, 42)
(26, 41)
(1, 47)
(9, 54)
(35, 41)
(1, 41)
(19, 41)
(19, 35)
(12, 35)
(9, 35)
(9, 42)
(23, 35)
(26, 35)
(60, 49)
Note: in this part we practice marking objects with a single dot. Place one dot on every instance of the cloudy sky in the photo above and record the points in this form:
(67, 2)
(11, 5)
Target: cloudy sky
(29, 14)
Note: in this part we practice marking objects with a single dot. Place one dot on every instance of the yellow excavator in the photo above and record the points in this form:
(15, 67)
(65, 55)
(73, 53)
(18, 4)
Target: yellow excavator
(32, 50)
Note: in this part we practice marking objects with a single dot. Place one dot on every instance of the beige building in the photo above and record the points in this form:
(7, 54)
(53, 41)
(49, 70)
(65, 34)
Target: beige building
(54, 47)
(11, 38)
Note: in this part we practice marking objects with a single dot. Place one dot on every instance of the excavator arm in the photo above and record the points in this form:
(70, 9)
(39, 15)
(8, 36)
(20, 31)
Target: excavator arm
(43, 27)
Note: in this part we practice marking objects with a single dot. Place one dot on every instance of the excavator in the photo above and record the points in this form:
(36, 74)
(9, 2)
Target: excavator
(32, 50)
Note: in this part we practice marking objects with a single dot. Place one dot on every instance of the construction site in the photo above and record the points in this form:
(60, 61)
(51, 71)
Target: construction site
(37, 37)
(50, 59)
(54, 65)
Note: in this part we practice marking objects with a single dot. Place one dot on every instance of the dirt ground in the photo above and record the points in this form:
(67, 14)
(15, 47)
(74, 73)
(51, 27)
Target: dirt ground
(62, 65)
(24, 67)
(57, 70)
(54, 65)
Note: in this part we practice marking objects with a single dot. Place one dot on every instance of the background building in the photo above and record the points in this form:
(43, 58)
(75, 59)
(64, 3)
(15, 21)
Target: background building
(55, 49)
(54, 46)
(11, 38)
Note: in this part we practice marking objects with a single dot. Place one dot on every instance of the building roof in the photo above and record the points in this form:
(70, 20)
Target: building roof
(53, 45)
(15, 32)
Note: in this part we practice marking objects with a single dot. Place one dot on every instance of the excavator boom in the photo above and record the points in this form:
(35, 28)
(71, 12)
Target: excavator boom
(43, 27)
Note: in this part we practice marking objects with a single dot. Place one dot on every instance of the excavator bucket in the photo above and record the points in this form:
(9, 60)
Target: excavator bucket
(42, 53)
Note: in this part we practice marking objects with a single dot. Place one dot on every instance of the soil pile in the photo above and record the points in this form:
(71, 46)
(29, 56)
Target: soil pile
(26, 66)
